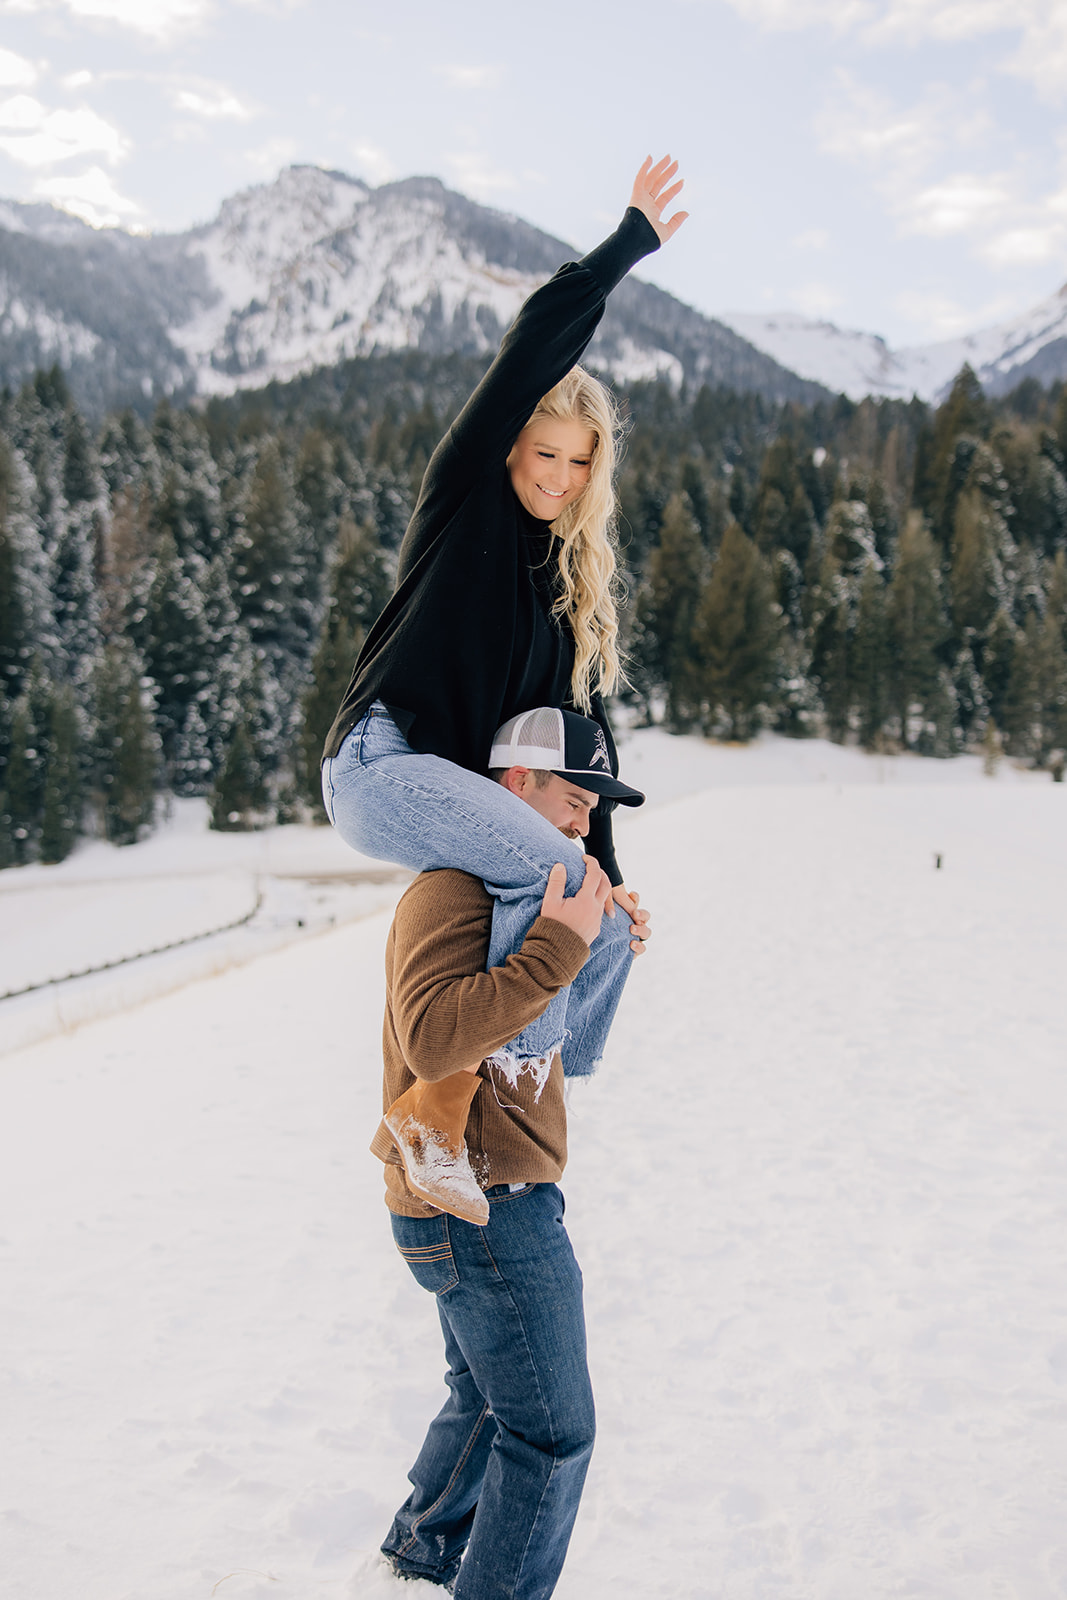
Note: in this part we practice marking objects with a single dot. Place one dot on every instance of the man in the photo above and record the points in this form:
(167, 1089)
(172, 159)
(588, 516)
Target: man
(425, 1124)
(501, 1471)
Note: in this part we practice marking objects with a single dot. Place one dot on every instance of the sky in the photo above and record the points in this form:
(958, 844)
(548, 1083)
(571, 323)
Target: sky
(897, 166)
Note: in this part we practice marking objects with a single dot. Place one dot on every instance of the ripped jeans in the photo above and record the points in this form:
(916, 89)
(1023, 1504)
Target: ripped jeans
(425, 813)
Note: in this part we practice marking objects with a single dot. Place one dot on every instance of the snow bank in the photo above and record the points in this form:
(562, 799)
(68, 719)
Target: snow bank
(818, 1193)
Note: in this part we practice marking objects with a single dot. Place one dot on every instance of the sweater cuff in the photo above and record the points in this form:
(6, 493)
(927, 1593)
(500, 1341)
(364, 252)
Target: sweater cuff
(568, 951)
(634, 238)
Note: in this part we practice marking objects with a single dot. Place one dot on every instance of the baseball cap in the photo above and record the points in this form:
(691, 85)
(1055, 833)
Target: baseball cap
(564, 743)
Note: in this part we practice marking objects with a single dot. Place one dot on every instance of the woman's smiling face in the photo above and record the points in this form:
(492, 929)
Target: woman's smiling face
(549, 465)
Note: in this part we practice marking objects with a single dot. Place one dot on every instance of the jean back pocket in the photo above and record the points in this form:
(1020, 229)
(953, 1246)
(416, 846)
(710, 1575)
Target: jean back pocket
(425, 1246)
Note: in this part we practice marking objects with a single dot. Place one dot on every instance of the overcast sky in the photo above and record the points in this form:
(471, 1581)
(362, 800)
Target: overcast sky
(893, 165)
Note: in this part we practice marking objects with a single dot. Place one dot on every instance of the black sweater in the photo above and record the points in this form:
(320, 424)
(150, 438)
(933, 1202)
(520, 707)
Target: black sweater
(467, 639)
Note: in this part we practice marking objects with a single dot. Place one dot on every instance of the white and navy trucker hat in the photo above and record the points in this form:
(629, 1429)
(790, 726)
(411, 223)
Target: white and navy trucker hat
(564, 743)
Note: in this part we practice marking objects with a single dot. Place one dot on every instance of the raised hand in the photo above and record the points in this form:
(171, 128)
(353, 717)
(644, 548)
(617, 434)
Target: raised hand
(652, 195)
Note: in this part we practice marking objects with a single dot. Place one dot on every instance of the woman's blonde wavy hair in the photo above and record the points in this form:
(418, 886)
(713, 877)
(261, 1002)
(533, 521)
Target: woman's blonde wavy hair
(588, 578)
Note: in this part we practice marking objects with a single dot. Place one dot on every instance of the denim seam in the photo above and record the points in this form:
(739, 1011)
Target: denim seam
(522, 1325)
(460, 1464)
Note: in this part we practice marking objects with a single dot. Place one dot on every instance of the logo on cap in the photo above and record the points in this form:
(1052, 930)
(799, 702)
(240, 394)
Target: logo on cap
(601, 752)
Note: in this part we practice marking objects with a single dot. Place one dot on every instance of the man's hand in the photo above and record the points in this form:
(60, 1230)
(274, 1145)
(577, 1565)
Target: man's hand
(651, 195)
(580, 912)
(640, 921)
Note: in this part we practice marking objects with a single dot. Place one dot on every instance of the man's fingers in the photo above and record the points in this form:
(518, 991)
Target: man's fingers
(599, 884)
(557, 883)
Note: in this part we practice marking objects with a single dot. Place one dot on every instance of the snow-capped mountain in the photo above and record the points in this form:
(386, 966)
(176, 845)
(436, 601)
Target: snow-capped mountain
(304, 272)
(857, 364)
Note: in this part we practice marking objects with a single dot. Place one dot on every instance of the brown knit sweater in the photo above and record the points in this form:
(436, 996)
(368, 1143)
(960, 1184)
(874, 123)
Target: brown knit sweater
(443, 1011)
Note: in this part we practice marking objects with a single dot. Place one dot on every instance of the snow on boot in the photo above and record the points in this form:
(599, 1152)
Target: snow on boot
(427, 1125)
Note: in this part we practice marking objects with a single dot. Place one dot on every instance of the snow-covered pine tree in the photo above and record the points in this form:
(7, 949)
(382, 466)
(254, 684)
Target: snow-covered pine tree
(665, 611)
(735, 639)
(359, 588)
(917, 631)
(126, 744)
(870, 660)
(63, 798)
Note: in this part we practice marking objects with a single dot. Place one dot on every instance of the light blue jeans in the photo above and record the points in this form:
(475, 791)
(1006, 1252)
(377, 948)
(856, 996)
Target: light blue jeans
(425, 813)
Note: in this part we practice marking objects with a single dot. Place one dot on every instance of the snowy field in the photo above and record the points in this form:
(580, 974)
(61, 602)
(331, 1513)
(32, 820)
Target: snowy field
(819, 1192)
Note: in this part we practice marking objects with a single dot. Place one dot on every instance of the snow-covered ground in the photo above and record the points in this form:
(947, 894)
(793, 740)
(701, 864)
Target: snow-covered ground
(819, 1192)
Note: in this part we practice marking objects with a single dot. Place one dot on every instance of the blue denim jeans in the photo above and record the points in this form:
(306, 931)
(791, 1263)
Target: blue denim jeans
(502, 1468)
(426, 813)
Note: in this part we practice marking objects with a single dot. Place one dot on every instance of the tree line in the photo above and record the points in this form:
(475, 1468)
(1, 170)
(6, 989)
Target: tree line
(182, 595)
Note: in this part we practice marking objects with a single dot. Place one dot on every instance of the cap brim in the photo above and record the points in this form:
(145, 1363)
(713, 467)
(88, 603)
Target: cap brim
(601, 783)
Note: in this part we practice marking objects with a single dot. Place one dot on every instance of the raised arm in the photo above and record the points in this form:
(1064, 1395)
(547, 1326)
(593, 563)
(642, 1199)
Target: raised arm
(556, 324)
(547, 338)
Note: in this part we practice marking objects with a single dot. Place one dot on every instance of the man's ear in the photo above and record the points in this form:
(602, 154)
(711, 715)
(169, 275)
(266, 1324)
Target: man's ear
(516, 780)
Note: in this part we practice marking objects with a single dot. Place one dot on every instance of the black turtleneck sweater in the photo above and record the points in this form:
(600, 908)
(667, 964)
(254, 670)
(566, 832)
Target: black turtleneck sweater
(467, 639)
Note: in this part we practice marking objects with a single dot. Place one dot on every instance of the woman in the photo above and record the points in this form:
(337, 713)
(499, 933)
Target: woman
(503, 602)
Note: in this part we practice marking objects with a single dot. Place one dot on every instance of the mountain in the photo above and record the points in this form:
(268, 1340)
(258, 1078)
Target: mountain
(307, 271)
(1033, 345)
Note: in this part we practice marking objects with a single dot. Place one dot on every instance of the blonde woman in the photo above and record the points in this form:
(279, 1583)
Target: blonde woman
(504, 601)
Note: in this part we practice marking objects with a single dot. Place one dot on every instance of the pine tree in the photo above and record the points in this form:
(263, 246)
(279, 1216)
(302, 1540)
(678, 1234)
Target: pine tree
(977, 584)
(1057, 592)
(23, 780)
(941, 473)
(735, 638)
(127, 750)
(972, 700)
(870, 660)
(997, 661)
(188, 499)
(358, 591)
(239, 797)
(62, 799)
(666, 605)
(939, 734)
(1051, 673)
(917, 629)
(171, 632)
(829, 639)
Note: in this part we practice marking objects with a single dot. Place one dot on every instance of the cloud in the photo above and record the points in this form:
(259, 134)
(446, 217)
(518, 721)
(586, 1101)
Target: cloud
(814, 299)
(15, 71)
(779, 15)
(1021, 246)
(811, 239)
(158, 19)
(473, 174)
(36, 137)
(957, 205)
(1039, 27)
(470, 77)
(373, 163)
(861, 124)
(210, 100)
(915, 21)
(90, 195)
(937, 316)
(271, 157)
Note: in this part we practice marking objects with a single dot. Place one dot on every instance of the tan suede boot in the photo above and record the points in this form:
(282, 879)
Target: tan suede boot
(426, 1126)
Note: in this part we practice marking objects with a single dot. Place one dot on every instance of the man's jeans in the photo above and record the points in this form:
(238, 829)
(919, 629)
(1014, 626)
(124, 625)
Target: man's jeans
(503, 1465)
(425, 813)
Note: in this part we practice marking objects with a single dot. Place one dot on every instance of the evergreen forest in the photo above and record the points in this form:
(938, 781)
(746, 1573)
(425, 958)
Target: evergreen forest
(182, 594)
